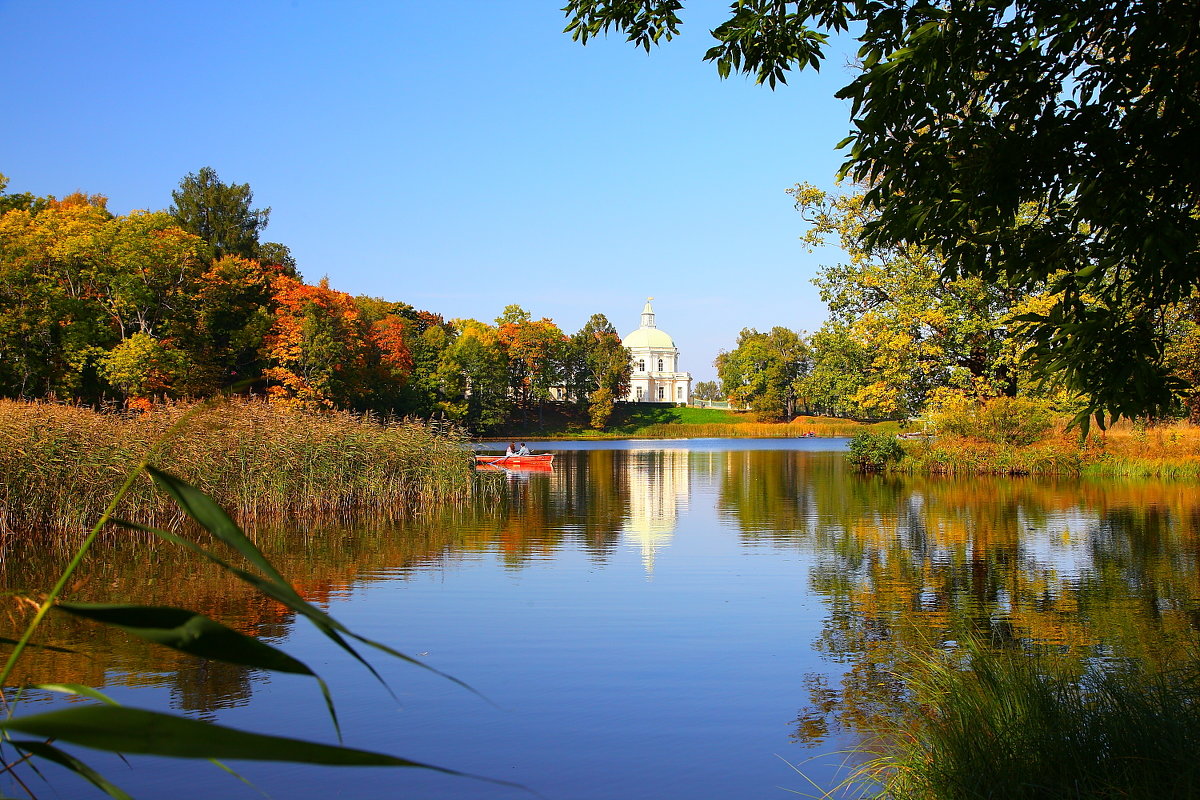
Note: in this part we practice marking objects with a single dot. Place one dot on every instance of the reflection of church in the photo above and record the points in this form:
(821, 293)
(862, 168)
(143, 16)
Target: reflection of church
(658, 491)
(655, 378)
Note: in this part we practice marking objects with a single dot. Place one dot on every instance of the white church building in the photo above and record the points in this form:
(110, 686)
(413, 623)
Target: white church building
(656, 376)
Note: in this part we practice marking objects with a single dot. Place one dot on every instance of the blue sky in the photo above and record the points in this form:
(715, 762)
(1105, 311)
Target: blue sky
(456, 155)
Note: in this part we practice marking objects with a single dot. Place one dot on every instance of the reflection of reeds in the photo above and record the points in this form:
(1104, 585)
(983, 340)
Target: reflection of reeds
(60, 465)
(1012, 726)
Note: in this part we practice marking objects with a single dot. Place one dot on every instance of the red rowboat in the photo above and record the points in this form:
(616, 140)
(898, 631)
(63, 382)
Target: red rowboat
(516, 461)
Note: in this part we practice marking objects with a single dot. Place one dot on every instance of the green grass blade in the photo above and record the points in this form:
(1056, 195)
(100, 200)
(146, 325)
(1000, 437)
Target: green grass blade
(284, 594)
(276, 591)
(77, 689)
(52, 753)
(132, 730)
(190, 633)
(202, 508)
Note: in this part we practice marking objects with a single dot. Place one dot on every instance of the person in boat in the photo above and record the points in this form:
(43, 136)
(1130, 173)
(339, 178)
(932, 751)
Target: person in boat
(511, 451)
(524, 451)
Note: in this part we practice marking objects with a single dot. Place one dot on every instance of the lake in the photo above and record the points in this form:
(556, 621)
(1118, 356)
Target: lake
(648, 619)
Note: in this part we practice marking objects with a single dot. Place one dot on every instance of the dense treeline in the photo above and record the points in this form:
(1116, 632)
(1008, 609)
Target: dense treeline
(97, 307)
(904, 337)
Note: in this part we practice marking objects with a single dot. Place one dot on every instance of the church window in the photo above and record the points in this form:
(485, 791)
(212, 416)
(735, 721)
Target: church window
(660, 369)
(641, 365)
(639, 393)
(660, 393)
(678, 392)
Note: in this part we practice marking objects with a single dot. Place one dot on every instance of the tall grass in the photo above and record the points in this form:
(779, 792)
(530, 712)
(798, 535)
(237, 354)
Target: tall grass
(1125, 450)
(60, 465)
(1012, 726)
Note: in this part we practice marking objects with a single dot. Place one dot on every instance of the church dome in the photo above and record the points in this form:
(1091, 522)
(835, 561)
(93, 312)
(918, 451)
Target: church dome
(648, 337)
(649, 334)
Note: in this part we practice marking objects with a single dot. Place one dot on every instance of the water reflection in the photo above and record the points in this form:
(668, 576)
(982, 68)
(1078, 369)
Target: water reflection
(658, 492)
(899, 564)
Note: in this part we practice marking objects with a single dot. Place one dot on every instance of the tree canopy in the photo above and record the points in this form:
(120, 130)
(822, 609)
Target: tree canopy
(219, 213)
(965, 114)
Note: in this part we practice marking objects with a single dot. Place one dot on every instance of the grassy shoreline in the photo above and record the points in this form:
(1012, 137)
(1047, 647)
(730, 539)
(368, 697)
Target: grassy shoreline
(60, 465)
(652, 421)
(1125, 450)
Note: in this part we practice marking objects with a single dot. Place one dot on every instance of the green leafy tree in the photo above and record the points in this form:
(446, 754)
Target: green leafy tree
(474, 372)
(964, 114)
(839, 373)
(707, 390)
(220, 213)
(921, 329)
(599, 368)
(22, 201)
(765, 371)
(142, 366)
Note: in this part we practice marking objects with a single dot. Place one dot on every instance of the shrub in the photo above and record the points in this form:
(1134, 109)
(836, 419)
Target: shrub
(1003, 420)
(871, 452)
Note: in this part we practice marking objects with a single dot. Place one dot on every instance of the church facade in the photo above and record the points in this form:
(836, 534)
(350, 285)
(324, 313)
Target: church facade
(656, 375)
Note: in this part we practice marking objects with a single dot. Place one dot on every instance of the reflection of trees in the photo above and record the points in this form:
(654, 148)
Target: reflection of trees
(583, 501)
(910, 564)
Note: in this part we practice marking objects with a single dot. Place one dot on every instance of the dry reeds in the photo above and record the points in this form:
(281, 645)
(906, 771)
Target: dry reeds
(1125, 450)
(60, 465)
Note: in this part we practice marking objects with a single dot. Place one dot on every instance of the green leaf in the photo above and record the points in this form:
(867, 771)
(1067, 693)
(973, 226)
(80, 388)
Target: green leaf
(188, 632)
(121, 729)
(213, 518)
(288, 597)
(76, 689)
(52, 753)
(200, 636)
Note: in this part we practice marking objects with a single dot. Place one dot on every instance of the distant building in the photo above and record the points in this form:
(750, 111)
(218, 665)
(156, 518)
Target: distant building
(656, 378)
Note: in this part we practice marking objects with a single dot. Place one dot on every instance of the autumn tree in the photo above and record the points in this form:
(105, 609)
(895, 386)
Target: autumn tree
(318, 346)
(535, 350)
(597, 369)
(78, 280)
(908, 327)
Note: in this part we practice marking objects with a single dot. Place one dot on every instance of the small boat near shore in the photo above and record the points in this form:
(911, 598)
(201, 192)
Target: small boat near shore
(516, 461)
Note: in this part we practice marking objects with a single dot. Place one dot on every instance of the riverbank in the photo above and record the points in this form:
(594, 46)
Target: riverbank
(1126, 449)
(61, 465)
(655, 421)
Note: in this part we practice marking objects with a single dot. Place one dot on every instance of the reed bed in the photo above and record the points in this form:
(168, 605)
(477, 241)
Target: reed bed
(1125, 450)
(1015, 726)
(61, 465)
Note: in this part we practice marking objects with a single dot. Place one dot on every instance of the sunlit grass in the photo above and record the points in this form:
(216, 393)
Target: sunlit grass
(59, 465)
(1124, 450)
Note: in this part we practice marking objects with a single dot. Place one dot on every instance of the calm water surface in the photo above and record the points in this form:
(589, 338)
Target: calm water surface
(655, 619)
